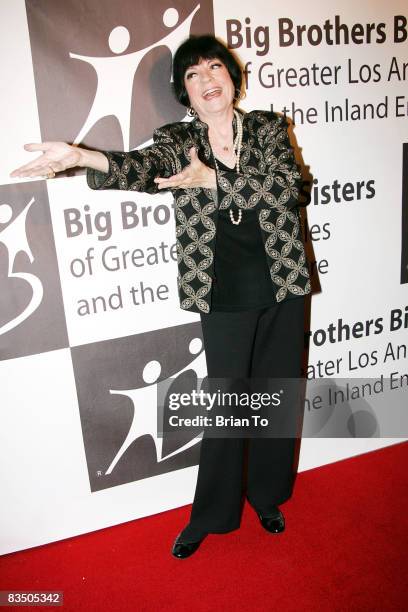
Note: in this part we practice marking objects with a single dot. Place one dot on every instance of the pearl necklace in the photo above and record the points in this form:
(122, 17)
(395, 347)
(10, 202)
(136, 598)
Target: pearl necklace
(237, 150)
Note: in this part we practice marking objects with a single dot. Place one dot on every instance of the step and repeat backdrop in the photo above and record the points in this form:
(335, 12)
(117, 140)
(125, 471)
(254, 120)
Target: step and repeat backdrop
(89, 313)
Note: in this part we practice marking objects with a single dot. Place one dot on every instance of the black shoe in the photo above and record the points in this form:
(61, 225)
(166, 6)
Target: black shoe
(274, 523)
(181, 549)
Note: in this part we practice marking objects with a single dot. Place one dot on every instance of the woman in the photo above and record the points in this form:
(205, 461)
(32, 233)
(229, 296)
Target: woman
(241, 261)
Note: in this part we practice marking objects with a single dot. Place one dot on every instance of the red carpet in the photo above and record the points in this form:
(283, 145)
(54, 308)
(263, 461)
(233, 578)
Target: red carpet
(344, 549)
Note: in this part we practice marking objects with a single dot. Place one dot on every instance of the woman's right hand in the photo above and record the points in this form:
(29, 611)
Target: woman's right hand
(59, 156)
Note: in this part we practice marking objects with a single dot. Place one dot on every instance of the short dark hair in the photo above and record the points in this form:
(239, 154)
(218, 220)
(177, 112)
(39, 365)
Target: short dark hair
(197, 48)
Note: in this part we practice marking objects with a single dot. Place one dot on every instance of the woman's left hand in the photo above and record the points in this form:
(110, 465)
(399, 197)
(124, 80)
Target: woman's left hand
(196, 174)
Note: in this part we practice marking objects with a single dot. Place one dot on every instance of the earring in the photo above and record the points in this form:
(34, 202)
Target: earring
(239, 95)
(191, 112)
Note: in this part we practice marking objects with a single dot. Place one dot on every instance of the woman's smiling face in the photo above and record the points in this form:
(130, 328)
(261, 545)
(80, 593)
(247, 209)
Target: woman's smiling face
(209, 87)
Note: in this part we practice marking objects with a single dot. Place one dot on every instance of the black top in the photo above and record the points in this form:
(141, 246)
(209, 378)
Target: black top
(242, 279)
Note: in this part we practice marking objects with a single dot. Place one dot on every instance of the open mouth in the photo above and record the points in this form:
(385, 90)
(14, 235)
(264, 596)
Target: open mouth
(214, 92)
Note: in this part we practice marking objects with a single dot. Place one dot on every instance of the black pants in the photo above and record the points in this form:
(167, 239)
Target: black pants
(265, 342)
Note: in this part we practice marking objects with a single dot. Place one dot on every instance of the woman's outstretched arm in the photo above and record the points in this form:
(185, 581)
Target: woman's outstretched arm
(59, 156)
(133, 170)
(170, 162)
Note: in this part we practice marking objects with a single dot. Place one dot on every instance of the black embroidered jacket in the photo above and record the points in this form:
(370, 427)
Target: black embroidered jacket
(267, 185)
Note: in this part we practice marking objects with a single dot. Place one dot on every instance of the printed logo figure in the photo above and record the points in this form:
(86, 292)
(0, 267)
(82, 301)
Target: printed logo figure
(144, 402)
(14, 238)
(124, 67)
